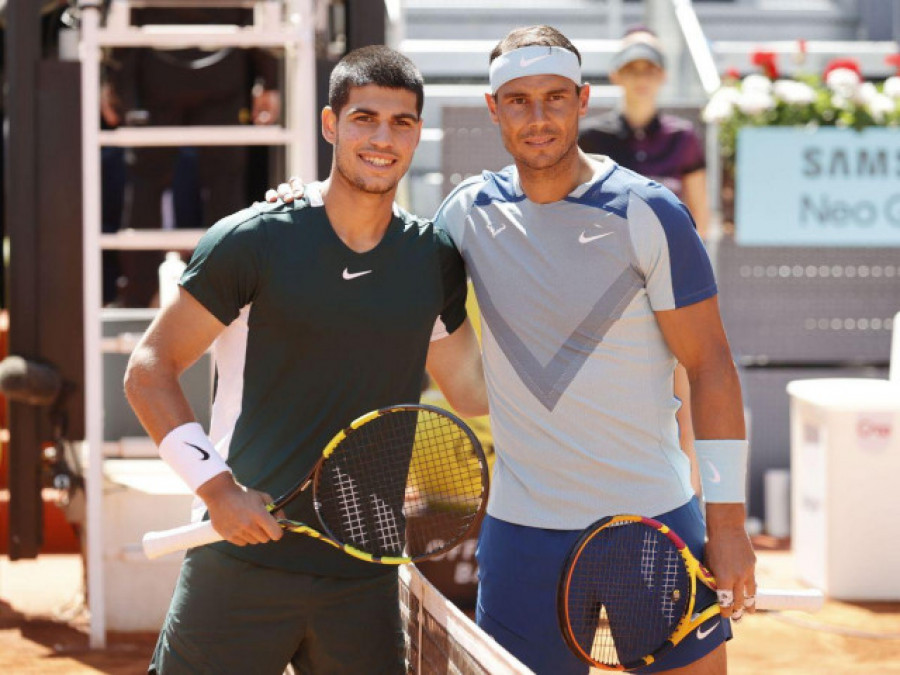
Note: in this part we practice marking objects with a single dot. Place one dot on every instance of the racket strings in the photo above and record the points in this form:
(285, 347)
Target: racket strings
(347, 493)
(407, 483)
(627, 593)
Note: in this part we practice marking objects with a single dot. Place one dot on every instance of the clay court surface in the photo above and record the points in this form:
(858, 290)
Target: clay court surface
(40, 634)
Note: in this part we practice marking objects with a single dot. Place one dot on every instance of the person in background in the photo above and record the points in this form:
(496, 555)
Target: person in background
(174, 87)
(640, 137)
(660, 146)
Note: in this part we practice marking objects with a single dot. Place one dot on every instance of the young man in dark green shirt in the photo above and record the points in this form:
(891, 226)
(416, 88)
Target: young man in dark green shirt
(317, 312)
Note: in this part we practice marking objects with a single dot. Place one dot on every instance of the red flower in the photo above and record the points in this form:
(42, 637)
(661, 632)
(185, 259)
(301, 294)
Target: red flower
(849, 64)
(893, 60)
(732, 74)
(766, 61)
(799, 57)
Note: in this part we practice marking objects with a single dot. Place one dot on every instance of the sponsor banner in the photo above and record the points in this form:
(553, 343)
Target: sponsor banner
(818, 187)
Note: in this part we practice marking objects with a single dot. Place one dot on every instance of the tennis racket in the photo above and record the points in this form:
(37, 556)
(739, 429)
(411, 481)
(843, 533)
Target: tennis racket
(412, 465)
(627, 593)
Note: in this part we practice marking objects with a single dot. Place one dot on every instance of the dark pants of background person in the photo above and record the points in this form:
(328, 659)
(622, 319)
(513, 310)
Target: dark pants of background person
(174, 94)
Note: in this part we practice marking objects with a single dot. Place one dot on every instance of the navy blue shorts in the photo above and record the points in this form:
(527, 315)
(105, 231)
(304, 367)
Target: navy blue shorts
(519, 569)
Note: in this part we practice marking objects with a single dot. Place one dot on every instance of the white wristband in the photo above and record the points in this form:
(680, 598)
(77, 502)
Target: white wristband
(723, 470)
(189, 452)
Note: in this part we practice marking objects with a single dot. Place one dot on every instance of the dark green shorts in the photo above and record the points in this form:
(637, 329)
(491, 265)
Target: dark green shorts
(229, 616)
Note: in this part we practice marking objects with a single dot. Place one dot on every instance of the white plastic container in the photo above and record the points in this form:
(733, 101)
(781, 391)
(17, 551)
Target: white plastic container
(845, 460)
(139, 495)
(170, 272)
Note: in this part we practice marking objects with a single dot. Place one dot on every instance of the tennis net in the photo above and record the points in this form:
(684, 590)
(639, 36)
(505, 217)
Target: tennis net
(441, 639)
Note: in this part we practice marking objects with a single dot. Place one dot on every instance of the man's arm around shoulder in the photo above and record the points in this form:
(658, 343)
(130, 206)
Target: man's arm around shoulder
(454, 362)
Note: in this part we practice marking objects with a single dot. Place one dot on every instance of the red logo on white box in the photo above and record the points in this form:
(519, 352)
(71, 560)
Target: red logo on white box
(874, 431)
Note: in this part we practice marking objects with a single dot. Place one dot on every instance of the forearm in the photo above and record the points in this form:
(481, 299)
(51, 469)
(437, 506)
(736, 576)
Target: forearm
(454, 363)
(717, 407)
(155, 395)
(720, 446)
(468, 396)
(718, 414)
(719, 419)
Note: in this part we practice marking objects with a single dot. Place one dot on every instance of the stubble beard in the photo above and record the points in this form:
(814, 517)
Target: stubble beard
(546, 164)
(360, 182)
(356, 180)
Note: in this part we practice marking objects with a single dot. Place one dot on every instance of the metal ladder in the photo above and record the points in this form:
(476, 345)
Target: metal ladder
(282, 24)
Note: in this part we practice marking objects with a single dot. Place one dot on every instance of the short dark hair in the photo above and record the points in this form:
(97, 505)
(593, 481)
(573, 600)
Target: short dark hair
(530, 36)
(378, 65)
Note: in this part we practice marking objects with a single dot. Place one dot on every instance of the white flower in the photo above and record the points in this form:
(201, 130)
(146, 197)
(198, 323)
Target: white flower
(721, 105)
(840, 102)
(755, 102)
(756, 83)
(880, 106)
(793, 92)
(892, 86)
(843, 82)
(865, 93)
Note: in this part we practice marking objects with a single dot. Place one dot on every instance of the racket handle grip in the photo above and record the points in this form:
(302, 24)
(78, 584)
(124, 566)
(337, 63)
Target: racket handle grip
(179, 539)
(805, 600)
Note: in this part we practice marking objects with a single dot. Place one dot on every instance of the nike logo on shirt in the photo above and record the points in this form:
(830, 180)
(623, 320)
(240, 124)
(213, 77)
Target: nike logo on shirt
(204, 455)
(584, 239)
(348, 275)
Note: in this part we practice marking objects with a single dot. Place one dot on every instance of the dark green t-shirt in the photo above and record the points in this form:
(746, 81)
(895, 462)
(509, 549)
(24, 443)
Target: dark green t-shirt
(317, 335)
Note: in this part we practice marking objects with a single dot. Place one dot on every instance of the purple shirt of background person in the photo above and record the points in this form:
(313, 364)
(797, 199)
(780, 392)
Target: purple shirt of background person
(665, 149)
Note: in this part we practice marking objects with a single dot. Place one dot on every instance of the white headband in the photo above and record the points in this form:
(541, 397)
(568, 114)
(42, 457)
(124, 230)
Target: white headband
(534, 60)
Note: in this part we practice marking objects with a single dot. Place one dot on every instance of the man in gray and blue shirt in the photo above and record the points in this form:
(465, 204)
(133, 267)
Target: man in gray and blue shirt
(592, 283)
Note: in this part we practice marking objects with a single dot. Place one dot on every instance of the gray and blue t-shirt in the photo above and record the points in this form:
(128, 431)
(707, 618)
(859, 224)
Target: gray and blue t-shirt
(579, 376)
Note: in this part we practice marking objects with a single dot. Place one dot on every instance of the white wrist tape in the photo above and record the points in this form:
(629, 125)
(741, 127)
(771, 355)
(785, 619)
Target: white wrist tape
(191, 455)
(723, 470)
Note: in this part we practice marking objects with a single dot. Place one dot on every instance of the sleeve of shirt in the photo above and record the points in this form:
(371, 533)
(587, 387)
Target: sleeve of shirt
(669, 252)
(225, 272)
(454, 211)
(455, 288)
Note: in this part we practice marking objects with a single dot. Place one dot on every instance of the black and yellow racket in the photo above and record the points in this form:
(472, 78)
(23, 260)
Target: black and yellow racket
(627, 593)
(387, 467)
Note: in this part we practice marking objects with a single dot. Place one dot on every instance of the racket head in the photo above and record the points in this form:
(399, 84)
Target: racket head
(401, 484)
(626, 593)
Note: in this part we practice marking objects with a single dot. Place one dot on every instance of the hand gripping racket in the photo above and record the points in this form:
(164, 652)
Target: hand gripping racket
(413, 465)
(627, 593)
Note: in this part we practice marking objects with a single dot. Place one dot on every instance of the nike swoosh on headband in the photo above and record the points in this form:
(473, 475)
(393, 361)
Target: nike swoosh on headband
(524, 63)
